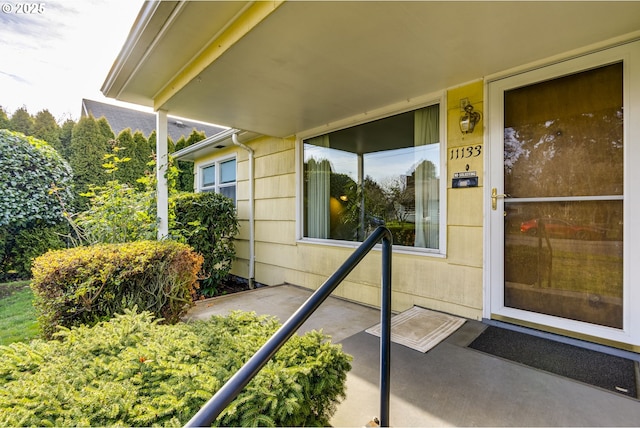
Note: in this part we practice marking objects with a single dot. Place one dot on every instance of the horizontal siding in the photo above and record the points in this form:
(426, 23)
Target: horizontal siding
(278, 186)
(276, 231)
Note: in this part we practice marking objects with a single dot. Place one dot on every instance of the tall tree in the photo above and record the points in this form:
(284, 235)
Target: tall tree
(171, 147)
(141, 154)
(89, 145)
(105, 128)
(185, 176)
(133, 154)
(21, 121)
(65, 138)
(4, 119)
(46, 128)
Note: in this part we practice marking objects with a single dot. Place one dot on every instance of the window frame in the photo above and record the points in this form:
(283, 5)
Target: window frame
(438, 98)
(216, 163)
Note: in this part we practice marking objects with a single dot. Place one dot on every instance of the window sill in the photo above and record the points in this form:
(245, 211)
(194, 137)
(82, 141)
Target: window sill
(353, 245)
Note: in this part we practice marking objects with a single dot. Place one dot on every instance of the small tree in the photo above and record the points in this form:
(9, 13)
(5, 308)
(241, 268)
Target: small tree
(46, 128)
(89, 144)
(185, 177)
(21, 121)
(4, 119)
(65, 138)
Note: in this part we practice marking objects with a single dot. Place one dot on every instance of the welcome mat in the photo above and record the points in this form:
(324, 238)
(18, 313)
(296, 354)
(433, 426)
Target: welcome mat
(585, 365)
(419, 328)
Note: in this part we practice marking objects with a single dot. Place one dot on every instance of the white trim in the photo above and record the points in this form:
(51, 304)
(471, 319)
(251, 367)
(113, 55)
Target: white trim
(444, 176)
(216, 138)
(629, 52)
(412, 104)
(299, 161)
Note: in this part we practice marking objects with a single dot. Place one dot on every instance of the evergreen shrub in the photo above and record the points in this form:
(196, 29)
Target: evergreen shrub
(84, 285)
(132, 371)
(209, 222)
(20, 245)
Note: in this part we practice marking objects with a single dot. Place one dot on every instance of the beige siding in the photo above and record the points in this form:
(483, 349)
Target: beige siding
(274, 215)
(464, 206)
(450, 283)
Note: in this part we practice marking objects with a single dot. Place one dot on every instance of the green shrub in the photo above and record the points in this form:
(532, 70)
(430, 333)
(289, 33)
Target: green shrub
(84, 285)
(209, 223)
(19, 246)
(118, 213)
(34, 181)
(131, 371)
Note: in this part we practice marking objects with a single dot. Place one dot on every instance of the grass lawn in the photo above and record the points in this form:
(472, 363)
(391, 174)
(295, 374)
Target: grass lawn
(17, 316)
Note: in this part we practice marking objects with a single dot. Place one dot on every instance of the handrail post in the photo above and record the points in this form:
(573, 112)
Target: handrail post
(385, 333)
(210, 411)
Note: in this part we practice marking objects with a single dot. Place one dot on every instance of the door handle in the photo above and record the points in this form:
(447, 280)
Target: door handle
(495, 196)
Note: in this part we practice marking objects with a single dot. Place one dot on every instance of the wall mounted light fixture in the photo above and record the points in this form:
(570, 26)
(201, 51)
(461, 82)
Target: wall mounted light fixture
(469, 119)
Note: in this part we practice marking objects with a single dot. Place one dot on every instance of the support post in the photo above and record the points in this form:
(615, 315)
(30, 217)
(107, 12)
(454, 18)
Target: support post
(162, 162)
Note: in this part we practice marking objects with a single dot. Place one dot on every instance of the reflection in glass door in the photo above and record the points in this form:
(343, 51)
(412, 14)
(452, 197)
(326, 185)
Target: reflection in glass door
(563, 180)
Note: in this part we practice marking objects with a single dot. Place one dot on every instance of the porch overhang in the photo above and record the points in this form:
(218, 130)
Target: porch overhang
(279, 68)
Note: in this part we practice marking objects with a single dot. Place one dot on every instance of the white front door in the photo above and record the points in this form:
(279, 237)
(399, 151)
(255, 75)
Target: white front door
(562, 200)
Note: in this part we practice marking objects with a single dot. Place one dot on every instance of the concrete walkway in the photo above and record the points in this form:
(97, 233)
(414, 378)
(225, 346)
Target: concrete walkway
(451, 385)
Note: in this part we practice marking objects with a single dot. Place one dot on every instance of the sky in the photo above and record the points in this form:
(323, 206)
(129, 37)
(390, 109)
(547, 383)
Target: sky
(62, 52)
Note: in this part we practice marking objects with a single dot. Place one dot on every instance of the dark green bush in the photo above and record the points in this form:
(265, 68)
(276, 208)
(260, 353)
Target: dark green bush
(209, 223)
(131, 371)
(84, 285)
(35, 186)
(35, 182)
(19, 246)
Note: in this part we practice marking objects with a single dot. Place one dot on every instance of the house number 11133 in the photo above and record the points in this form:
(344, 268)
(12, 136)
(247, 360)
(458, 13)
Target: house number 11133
(465, 152)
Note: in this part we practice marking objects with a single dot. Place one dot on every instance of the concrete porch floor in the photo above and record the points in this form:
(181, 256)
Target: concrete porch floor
(451, 385)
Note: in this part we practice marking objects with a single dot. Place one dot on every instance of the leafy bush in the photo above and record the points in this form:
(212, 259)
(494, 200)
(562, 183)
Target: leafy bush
(34, 179)
(131, 371)
(118, 213)
(85, 285)
(209, 223)
(34, 185)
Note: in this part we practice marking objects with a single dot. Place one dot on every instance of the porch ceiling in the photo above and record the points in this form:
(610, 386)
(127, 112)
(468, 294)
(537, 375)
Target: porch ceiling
(307, 64)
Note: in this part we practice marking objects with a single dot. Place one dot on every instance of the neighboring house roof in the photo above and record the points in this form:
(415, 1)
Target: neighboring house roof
(121, 118)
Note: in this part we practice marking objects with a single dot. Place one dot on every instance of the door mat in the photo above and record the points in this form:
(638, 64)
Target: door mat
(419, 328)
(585, 365)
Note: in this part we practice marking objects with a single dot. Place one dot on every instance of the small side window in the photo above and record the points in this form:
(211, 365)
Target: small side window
(219, 177)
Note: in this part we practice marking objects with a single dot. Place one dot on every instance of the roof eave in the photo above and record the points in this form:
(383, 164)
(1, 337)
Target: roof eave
(151, 17)
(212, 144)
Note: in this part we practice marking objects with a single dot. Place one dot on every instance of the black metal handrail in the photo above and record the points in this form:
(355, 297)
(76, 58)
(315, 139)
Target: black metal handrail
(230, 390)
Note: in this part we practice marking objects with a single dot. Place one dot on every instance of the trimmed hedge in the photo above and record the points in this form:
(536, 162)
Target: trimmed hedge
(131, 371)
(209, 222)
(85, 285)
